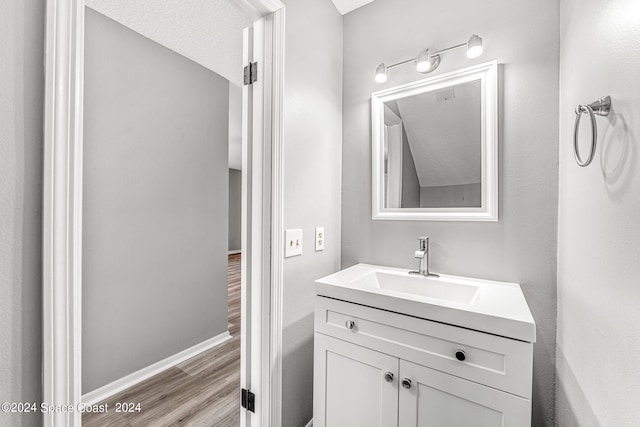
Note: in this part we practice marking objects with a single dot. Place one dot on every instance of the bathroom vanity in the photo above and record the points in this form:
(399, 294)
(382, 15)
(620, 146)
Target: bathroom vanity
(395, 349)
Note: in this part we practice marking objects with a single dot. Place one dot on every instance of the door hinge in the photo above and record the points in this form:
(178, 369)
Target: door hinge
(248, 400)
(250, 73)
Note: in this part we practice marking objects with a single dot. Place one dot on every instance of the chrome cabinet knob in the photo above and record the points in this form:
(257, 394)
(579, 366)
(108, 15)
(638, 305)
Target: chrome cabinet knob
(349, 324)
(388, 377)
(461, 355)
(406, 383)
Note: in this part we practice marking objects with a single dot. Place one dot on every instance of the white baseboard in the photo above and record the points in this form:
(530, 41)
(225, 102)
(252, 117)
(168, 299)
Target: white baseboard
(235, 252)
(310, 423)
(134, 378)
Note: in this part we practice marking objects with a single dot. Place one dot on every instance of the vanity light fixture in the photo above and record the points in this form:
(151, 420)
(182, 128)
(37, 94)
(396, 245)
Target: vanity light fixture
(381, 73)
(427, 61)
(474, 46)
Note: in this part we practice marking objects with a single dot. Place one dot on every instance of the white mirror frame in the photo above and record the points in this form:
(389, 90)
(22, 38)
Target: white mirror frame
(487, 74)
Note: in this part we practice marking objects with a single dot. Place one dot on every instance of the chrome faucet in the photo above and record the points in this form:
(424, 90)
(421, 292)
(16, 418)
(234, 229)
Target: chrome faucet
(423, 255)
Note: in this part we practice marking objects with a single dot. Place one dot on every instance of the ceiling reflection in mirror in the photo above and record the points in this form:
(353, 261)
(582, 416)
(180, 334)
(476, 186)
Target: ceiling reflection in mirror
(432, 148)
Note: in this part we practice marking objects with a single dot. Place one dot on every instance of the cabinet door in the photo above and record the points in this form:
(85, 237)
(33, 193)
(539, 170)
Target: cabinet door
(350, 389)
(438, 399)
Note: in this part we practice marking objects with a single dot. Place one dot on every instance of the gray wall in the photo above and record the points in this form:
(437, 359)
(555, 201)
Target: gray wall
(410, 183)
(598, 222)
(313, 139)
(466, 195)
(155, 203)
(21, 115)
(521, 247)
(312, 158)
(235, 209)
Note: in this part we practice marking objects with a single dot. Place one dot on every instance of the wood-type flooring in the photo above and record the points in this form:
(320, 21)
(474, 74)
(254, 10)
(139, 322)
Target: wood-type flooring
(201, 391)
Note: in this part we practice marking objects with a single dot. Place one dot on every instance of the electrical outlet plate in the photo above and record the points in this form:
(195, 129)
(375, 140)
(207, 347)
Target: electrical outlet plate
(319, 238)
(293, 243)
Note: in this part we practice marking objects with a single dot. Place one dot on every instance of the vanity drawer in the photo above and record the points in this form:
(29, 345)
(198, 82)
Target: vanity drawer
(502, 363)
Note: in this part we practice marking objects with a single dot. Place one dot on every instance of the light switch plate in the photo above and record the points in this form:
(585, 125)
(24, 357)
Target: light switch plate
(293, 242)
(319, 239)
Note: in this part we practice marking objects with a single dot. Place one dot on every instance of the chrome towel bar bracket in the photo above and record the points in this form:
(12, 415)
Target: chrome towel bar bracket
(600, 107)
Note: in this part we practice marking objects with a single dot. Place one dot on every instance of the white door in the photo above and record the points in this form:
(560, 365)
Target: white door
(260, 366)
(256, 257)
(350, 388)
(442, 400)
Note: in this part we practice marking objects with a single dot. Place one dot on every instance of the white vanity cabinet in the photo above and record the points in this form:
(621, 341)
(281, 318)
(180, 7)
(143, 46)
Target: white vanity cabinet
(438, 399)
(354, 391)
(379, 368)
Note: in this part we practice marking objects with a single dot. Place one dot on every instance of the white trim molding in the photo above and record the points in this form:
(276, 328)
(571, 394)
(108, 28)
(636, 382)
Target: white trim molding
(136, 377)
(277, 215)
(235, 252)
(264, 263)
(62, 209)
(262, 219)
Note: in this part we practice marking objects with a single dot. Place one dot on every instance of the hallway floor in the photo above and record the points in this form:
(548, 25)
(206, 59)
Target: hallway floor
(201, 391)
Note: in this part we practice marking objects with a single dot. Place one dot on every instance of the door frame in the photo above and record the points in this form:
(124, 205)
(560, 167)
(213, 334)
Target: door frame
(393, 153)
(62, 216)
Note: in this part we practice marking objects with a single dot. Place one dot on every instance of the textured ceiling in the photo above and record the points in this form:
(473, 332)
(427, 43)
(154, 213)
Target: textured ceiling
(346, 6)
(444, 137)
(208, 32)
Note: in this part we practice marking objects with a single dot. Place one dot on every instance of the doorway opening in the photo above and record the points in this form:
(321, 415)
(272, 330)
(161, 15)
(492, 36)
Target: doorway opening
(162, 130)
(261, 265)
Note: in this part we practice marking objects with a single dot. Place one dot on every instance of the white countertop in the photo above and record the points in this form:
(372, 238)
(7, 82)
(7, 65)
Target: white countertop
(494, 307)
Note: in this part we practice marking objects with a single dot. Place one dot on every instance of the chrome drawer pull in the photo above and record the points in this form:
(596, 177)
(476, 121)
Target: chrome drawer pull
(350, 324)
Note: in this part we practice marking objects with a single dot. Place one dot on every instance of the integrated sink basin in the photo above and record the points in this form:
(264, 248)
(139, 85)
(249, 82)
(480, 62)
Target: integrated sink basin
(489, 306)
(445, 288)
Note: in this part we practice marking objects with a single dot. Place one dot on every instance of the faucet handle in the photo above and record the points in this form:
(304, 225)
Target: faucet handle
(424, 242)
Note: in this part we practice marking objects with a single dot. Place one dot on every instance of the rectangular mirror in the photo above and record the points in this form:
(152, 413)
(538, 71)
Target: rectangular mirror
(435, 148)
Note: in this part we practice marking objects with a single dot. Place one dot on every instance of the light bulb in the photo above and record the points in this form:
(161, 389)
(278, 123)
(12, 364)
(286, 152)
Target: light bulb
(423, 62)
(381, 73)
(474, 46)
